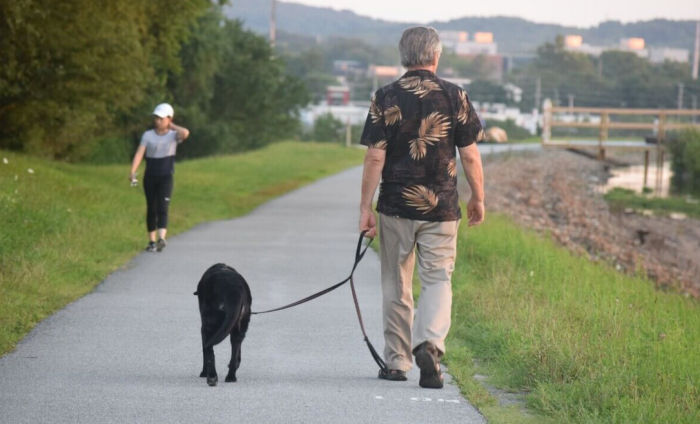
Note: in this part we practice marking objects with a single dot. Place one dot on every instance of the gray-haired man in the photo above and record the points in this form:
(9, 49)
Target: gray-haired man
(412, 129)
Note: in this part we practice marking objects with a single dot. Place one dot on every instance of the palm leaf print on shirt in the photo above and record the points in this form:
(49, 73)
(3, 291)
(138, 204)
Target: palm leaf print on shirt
(418, 87)
(374, 110)
(452, 168)
(432, 128)
(421, 198)
(392, 115)
(381, 144)
(464, 108)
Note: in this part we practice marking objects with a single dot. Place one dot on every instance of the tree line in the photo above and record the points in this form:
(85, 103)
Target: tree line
(80, 78)
(614, 79)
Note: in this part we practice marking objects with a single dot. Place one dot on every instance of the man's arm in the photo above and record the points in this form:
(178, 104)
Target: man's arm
(182, 132)
(471, 162)
(371, 175)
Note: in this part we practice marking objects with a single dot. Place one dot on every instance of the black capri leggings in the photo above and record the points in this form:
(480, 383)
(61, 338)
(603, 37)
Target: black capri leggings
(158, 189)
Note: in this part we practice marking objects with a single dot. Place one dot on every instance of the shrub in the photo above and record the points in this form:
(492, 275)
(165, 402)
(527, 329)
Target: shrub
(685, 161)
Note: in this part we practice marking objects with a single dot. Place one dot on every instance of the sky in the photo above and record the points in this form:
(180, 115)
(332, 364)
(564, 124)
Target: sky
(566, 12)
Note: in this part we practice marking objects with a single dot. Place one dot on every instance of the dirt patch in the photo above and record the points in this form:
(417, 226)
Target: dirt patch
(560, 193)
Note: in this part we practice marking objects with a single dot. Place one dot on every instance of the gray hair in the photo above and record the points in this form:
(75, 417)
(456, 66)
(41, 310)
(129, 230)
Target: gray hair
(418, 46)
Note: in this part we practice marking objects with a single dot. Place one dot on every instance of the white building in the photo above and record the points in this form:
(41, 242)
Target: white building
(450, 39)
(662, 54)
(356, 112)
(458, 42)
(574, 43)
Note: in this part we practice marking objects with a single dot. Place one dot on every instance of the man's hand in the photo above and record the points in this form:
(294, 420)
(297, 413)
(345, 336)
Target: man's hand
(368, 223)
(475, 212)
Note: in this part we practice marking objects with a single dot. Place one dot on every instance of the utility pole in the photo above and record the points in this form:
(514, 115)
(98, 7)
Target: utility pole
(538, 93)
(680, 95)
(273, 23)
(696, 59)
(571, 101)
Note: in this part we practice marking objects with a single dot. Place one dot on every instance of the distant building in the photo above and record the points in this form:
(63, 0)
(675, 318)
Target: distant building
(347, 67)
(461, 82)
(573, 41)
(483, 37)
(337, 95)
(634, 45)
(589, 49)
(458, 42)
(353, 112)
(385, 71)
(662, 54)
(450, 39)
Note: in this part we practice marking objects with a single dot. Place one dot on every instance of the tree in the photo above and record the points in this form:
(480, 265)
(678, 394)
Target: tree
(69, 67)
(328, 129)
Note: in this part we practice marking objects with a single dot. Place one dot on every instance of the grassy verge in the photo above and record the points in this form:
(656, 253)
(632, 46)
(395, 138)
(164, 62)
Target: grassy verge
(64, 228)
(587, 344)
(620, 198)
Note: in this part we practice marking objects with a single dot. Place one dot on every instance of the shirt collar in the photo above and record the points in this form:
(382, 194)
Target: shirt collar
(419, 72)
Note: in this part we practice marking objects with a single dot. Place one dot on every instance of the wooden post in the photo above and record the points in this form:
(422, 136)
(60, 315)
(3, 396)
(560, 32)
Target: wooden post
(547, 121)
(348, 133)
(660, 137)
(603, 134)
(661, 172)
(646, 167)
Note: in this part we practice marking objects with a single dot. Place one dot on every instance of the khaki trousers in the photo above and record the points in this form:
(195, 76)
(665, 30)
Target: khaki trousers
(435, 244)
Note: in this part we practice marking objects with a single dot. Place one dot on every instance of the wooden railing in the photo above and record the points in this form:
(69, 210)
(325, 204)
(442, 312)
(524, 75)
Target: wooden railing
(660, 127)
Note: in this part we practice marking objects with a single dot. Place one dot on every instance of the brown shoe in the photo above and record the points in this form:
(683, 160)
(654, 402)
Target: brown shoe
(392, 375)
(427, 360)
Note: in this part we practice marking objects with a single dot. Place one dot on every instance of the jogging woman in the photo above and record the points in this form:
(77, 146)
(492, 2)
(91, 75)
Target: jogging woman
(159, 146)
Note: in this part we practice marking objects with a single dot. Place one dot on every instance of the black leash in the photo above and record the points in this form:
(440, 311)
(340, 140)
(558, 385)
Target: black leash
(359, 254)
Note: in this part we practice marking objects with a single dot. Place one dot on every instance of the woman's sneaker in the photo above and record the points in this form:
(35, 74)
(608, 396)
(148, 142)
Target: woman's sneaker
(151, 247)
(161, 245)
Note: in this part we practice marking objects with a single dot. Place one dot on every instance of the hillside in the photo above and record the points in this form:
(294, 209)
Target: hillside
(514, 35)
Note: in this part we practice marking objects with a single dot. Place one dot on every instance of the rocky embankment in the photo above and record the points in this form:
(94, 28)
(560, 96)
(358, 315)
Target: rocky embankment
(560, 193)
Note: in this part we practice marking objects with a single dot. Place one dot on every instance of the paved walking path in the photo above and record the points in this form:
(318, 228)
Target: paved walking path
(130, 351)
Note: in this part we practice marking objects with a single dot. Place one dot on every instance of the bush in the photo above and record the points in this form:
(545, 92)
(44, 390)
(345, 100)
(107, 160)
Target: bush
(329, 129)
(110, 150)
(685, 161)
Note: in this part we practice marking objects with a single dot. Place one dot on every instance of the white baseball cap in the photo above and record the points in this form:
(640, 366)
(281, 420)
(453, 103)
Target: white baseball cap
(164, 110)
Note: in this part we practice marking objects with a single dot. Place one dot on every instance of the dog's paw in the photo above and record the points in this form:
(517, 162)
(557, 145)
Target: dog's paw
(231, 379)
(212, 381)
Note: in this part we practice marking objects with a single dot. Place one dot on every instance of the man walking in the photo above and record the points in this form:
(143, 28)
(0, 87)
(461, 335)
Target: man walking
(412, 130)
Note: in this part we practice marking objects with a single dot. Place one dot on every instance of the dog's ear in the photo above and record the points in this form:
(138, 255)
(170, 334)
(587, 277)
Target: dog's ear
(195, 293)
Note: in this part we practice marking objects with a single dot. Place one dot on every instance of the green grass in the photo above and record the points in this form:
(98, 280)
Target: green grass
(620, 198)
(65, 227)
(586, 343)
(528, 140)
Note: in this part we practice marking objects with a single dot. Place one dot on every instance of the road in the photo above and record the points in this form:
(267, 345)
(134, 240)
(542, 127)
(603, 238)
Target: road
(130, 351)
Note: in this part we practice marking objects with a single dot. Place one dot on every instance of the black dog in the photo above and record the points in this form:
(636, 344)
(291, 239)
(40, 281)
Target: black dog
(224, 305)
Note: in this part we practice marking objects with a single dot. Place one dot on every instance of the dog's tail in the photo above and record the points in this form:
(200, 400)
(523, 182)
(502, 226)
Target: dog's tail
(232, 305)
